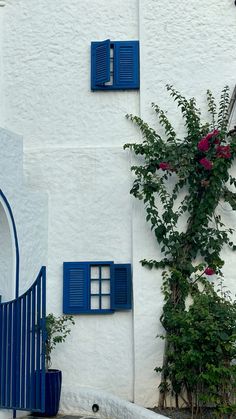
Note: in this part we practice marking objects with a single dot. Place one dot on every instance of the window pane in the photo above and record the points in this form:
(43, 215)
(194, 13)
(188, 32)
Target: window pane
(94, 272)
(94, 287)
(106, 302)
(105, 272)
(95, 303)
(105, 287)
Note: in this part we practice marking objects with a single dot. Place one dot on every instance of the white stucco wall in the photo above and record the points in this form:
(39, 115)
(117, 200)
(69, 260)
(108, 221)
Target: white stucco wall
(29, 210)
(73, 152)
(89, 219)
(2, 113)
(188, 44)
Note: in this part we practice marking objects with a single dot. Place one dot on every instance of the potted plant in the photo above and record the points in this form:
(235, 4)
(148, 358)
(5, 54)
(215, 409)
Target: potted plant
(57, 329)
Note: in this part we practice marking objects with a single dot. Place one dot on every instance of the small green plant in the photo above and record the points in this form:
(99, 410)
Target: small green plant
(184, 181)
(57, 329)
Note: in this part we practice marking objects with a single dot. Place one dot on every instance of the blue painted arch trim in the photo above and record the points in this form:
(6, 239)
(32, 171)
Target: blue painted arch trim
(10, 213)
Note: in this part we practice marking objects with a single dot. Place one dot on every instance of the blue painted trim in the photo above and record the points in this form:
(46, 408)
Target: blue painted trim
(81, 290)
(100, 63)
(44, 338)
(16, 242)
(77, 287)
(122, 63)
(22, 320)
(122, 287)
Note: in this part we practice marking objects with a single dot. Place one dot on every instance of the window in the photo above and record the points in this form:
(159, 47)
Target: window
(114, 65)
(96, 287)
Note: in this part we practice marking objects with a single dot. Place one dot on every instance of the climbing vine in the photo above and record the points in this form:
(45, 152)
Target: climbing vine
(188, 179)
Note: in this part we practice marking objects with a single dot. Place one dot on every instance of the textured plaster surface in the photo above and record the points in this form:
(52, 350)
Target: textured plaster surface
(110, 406)
(89, 219)
(189, 45)
(73, 153)
(30, 214)
(2, 113)
(47, 71)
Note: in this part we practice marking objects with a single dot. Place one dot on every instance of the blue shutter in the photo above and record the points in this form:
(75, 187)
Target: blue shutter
(121, 287)
(126, 64)
(75, 287)
(100, 63)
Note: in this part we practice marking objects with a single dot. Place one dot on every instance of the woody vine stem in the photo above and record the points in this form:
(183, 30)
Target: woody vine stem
(189, 178)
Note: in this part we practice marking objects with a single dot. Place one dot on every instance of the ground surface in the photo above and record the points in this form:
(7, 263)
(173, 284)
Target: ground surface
(170, 413)
(183, 413)
(63, 417)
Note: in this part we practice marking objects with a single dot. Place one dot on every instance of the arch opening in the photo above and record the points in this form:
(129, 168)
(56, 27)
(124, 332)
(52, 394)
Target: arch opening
(7, 259)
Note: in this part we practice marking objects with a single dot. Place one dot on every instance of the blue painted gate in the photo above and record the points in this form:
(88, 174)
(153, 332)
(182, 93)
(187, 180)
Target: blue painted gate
(22, 349)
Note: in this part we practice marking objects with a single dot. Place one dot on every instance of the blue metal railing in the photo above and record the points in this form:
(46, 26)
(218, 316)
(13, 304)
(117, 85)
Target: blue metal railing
(22, 349)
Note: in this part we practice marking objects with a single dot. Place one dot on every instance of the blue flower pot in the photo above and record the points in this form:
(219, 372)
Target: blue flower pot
(53, 380)
(52, 392)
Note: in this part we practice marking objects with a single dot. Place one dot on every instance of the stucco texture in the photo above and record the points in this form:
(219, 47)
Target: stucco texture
(29, 210)
(73, 154)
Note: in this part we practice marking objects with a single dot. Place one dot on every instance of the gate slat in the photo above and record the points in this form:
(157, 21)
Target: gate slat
(23, 350)
(28, 349)
(4, 356)
(38, 311)
(18, 351)
(32, 378)
(9, 356)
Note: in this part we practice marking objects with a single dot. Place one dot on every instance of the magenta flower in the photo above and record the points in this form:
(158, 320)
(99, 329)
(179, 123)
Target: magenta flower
(203, 145)
(209, 271)
(165, 166)
(207, 164)
(212, 134)
(223, 151)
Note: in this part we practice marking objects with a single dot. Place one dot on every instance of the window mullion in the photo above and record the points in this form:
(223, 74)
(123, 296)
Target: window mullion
(100, 287)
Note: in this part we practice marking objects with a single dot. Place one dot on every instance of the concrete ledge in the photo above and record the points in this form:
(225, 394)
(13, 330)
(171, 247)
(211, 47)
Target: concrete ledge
(110, 406)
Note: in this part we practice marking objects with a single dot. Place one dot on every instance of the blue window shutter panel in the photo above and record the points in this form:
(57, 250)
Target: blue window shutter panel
(100, 63)
(75, 287)
(126, 64)
(121, 287)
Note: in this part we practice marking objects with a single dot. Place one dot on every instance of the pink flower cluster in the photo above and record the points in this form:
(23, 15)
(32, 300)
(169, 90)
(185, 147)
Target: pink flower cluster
(165, 166)
(207, 164)
(223, 151)
(209, 271)
(204, 144)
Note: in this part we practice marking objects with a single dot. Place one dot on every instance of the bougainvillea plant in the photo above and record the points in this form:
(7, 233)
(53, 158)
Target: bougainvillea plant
(189, 178)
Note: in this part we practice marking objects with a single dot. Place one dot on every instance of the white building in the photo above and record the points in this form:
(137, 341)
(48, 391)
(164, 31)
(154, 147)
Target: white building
(65, 172)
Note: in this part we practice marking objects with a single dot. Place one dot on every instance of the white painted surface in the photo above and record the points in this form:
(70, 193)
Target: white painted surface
(110, 406)
(29, 211)
(188, 44)
(47, 71)
(73, 152)
(2, 110)
(89, 219)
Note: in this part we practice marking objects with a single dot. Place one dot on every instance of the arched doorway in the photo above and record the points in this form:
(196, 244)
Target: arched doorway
(9, 252)
(22, 326)
(7, 259)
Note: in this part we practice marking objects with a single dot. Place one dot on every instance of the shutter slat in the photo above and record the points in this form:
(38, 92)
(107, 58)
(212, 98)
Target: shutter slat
(121, 287)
